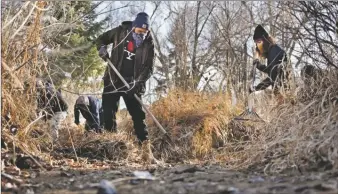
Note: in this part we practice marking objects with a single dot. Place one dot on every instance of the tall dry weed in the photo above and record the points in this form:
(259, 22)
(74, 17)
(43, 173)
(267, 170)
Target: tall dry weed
(301, 133)
(196, 122)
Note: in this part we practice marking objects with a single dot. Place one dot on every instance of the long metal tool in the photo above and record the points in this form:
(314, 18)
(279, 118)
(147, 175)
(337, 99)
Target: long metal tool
(137, 98)
(249, 114)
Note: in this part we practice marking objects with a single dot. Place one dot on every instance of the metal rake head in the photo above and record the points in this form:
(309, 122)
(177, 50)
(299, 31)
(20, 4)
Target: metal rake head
(249, 115)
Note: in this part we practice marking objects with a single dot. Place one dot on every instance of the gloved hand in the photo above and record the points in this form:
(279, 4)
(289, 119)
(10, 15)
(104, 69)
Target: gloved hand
(134, 89)
(251, 90)
(256, 62)
(103, 53)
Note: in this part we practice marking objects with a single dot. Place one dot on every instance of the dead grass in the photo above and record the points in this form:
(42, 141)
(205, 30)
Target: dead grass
(196, 122)
(301, 135)
(20, 66)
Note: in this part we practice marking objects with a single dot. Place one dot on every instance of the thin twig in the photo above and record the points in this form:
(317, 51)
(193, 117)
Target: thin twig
(16, 15)
(24, 22)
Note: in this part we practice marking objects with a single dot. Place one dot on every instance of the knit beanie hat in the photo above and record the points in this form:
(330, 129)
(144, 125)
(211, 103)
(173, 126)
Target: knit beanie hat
(260, 32)
(141, 21)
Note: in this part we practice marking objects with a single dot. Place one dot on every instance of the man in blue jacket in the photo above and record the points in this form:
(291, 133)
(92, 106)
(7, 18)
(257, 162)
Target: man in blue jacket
(276, 61)
(90, 109)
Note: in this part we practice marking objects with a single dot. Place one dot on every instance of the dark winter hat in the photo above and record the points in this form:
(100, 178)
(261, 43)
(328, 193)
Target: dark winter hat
(260, 32)
(141, 21)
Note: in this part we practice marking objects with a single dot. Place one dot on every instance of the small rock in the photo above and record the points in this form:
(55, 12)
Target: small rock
(143, 175)
(222, 188)
(29, 191)
(13, 129)
(227, 190)
(232, 190)
(106, 188)
(256, 180)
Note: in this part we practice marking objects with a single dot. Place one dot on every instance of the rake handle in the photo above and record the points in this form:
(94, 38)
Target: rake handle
(250, 99)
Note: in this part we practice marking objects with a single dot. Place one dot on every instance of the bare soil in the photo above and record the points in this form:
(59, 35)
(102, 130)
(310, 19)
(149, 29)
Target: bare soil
(181, 178)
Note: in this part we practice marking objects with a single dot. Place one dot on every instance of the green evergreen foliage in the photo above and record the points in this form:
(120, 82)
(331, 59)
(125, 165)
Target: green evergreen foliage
(80, 58)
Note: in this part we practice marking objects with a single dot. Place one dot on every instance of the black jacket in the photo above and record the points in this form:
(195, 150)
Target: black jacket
(144, 56)
(91, 113)
(276, 72)
(51, 101)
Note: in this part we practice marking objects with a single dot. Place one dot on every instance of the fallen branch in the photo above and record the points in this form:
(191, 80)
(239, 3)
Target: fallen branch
(12, 178)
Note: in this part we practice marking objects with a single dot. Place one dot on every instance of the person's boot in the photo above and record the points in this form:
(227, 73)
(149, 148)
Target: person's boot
(147, 155)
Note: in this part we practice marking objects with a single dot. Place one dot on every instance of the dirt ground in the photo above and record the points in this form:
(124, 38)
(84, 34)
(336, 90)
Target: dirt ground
(181, 178)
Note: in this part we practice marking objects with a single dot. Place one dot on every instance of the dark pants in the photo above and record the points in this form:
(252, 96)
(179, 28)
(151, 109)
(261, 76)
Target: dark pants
(278, 79)
(110, 102)
(90, 124)
(101, 119)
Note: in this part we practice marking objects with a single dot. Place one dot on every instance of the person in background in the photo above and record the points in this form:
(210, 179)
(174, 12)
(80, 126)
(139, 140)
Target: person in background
(90, 108)
(276, 60)
(51, 105)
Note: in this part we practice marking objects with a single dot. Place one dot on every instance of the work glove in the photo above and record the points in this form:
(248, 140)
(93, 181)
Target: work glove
(103, 53)
(256, 62)
(251, 89)
(134, 89)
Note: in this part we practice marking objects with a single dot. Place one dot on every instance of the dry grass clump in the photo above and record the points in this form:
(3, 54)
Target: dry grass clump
(302, 134)
(113, 147)
(20, 65)
(195, 122)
